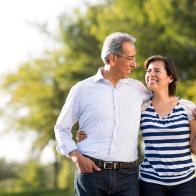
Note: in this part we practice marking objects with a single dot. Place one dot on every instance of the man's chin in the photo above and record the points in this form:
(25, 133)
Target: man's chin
(126, 76)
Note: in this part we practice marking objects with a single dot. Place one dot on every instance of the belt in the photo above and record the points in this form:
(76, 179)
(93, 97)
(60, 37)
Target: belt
(113, 164)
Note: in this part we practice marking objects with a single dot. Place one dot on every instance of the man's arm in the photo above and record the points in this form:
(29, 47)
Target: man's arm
(66, 145)
(68, 116)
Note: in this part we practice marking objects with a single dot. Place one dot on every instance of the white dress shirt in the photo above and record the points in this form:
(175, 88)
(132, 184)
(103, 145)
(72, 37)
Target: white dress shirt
(109, 115)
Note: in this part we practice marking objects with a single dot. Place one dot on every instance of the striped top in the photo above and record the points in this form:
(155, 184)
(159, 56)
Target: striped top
(167, 158)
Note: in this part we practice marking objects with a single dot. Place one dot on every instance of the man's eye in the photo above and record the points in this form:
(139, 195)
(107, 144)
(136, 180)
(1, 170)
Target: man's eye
(132, 58)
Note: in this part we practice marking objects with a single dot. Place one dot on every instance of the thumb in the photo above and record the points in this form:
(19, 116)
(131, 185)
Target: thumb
(95, 167)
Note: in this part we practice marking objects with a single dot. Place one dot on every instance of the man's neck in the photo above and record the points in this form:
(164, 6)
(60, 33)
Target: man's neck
(109, 75)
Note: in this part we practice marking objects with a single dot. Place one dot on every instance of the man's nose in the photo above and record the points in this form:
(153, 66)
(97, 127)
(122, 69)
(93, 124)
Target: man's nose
(133, 64)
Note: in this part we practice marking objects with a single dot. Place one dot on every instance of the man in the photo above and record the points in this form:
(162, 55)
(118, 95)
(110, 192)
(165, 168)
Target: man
(108, 107)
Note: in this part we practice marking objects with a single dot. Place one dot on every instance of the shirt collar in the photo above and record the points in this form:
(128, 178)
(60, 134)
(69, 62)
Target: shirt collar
(99, 76)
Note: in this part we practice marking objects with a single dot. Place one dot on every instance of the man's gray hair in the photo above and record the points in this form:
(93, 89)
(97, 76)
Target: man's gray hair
(113, 44)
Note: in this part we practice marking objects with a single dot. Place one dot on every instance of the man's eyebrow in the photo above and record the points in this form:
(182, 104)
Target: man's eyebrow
(132, 56)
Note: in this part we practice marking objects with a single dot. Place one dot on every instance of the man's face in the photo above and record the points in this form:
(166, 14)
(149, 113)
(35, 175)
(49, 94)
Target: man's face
(125, 63)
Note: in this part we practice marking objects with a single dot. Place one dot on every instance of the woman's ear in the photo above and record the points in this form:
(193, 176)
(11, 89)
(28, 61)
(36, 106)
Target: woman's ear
(171, 79)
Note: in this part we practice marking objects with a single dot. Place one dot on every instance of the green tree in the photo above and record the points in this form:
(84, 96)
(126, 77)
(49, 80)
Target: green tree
(32, 176)
(40, 86)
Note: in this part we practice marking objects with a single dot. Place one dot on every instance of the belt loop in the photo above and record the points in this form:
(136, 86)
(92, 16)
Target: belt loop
(115, 165)
(99, 163)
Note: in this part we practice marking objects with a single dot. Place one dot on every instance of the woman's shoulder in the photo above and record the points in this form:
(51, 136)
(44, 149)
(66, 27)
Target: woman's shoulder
(186, 103)
(188, 107)
(146, 103)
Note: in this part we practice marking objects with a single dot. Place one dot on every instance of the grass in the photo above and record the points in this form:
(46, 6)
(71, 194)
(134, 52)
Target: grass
(52, 192)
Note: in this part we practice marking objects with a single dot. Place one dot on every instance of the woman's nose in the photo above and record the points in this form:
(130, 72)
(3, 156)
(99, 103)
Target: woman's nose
(151, 73)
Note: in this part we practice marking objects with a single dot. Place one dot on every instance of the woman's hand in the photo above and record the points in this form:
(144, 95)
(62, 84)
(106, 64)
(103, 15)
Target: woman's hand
(80, 135)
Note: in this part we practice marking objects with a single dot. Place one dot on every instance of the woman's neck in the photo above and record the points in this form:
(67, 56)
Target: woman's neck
(161, 97)
(163, 103)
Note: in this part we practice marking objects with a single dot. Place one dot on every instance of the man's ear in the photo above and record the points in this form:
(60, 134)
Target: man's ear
(112, 59)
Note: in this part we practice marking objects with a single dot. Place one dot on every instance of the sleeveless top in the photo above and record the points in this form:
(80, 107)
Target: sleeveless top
(167, 158)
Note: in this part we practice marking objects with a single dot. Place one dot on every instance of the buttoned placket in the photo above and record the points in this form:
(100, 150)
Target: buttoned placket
(116, 116)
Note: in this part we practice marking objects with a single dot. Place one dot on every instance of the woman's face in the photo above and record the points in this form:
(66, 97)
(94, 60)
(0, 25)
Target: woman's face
(156, 77)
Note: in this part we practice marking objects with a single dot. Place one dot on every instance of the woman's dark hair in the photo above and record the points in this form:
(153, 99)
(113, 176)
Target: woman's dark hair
(170, 68)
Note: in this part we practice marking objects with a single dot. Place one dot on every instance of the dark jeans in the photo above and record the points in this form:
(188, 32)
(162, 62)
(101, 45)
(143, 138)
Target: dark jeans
(152, 189)
(122, 182)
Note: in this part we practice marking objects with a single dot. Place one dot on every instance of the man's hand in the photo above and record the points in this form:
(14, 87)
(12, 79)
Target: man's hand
(83, 164)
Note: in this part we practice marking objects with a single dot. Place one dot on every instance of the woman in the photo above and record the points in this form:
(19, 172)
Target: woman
(166, 121)
(167, 168)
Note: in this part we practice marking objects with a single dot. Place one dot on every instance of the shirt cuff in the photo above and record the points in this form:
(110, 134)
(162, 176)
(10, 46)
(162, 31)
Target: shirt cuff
(63, 149)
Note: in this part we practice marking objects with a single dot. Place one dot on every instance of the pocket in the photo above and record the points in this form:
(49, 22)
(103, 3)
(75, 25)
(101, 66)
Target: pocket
(85, 173)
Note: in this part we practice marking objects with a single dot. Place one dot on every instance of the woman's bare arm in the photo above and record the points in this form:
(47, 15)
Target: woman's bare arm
(193, 136)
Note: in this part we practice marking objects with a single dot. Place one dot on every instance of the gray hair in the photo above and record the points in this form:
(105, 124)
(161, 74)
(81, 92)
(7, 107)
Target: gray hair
(113, 44)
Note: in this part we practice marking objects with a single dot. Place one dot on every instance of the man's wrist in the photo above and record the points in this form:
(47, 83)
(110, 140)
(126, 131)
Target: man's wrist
(74, 155)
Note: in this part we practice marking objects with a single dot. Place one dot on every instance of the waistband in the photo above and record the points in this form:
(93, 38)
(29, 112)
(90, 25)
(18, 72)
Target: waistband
(113, 164)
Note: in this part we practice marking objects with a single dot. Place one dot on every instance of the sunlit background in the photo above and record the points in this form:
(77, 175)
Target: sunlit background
(20, 41)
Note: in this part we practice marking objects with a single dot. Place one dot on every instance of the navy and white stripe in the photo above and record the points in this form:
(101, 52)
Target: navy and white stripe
(168, 158)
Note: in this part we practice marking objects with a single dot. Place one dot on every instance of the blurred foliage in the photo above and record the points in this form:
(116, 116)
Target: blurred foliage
(39, 192)
(187, 89)
(7, 171)
(40, 86)
(65, 178)
(32, 176)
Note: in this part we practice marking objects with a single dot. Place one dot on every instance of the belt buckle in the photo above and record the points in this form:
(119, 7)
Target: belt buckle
(107, 163)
